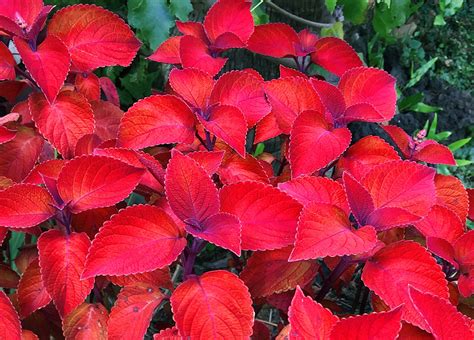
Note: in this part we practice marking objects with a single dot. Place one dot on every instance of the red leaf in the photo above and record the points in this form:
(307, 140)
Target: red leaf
(88, 321)
(270, 272)
(25, 205)
(132, 312)
(10, 327)
(275, 40)
(364, 155)
(364, 85)
(442, 223)
(244, 91)
(214, 305)
(409, 332)
(88, 85)
(227, 123)
(168, 51)
(159, 119)
(48, 64)
(87, 144)
(268, 216)
(6, 135)
(28, 335)
(209, 160)
(291, 72)
(359, 198)
(307, 189)
(237, 169)
(110, 90)
(381, 326)
(267, 128)
(443, 249)
(158, 277)
(391, 271)
(32, 294)
(261, 331)
(94, 37)
(51, 169)
(65, 121)
(8, 277)
(463, 250)
(402, 184)
(10, 90)
(308, 319)
(325, 230)
(331, 97)
(311, 131)
(16, 160)
(138, 239)
(442, 318)
(470, 203)
(90, 182)
(220, 229)
(7, 63)
(62, 258)
(194, 29)
(450, 193)
(168, 334)
(335, 55)
(193, 85)
(15, 9)
(435, 153)
(229, 16)
(107, 119)
(191, 193)
(289, 97)
(400, 138)
(194, 53)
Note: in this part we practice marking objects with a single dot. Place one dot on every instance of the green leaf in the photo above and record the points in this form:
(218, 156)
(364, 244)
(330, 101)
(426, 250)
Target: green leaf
(408, 102)
(434, 125)
(354, 10)
(181, 9)
(336, 30)
(425, 108)
(439, 20)
(459, 144)
(259, 149)
(152, 19)
(16, 242)
(442, 135)
(418, 74)
(138, 82)
(331, 5)
(463, 162)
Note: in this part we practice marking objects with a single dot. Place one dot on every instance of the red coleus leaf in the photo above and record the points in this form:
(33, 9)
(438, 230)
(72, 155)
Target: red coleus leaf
(16, 160)
(311, 131)
(364, 155)
(289, 97)
(90, 182)
(51, 168)
(25, 205)
(382, 326)
(308, 319)
(307, 189)
(275, 40)
(244, 91)
(214, 305)
(470, 203)
(94, 37)
(88, 85)
(158, 119)
(107, 118)
(10, 327)
(442, 223)
(10, 90)
(369, 94)
(159, 277)
(442, 318)
(48, 64)
(229, 17)
(209, 160)
(19, 11)
(191, 193)
(195, 53)
(236, 169)
(32, 294)
(325, 230)
(63, 122)
(168, 334)
(138, 239)
(110, 90)
(62, 259)
(8, 277)
(168, 51)
(267, 128)
(88, 321)
(6, 135)
(7, 63)
(270, 272)
(193, 85)
(393, 269)
(450, 193)
(331, 97)
(268, 215)
(443, 249)
(194, 199)
(335, 55)
(133, 310)
(428, 151)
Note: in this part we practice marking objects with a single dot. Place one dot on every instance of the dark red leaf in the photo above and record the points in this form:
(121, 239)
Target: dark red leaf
(32, 294)
(159, 277)
(10, 327)
(88, 85)
(88, 321)
(7, 63)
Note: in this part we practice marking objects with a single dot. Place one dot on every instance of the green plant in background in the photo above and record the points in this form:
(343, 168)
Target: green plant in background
(447, 8)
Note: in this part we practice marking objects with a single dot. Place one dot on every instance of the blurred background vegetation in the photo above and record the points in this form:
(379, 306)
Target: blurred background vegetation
(427, 45)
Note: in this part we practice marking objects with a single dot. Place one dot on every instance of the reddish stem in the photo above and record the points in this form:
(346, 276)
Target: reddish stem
(341, 267)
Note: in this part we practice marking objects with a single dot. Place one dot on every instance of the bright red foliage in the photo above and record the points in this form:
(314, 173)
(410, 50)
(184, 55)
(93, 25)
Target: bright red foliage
(132, 198)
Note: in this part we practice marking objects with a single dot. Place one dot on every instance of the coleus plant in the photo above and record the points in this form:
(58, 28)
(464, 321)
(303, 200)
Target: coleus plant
(297, 228)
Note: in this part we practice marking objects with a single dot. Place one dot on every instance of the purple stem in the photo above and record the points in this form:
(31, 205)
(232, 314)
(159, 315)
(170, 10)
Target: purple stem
(189, 256)
(341, 267)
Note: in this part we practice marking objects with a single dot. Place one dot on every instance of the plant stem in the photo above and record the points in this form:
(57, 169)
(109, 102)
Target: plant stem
(295, 17)
(209, 142)
(341, 267)
(363, 302)
(189, 256)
